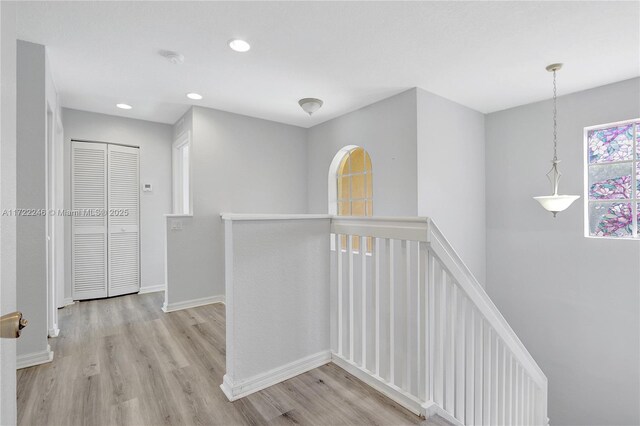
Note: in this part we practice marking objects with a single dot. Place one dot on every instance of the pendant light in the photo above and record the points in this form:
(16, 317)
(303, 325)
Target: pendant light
(555, 203)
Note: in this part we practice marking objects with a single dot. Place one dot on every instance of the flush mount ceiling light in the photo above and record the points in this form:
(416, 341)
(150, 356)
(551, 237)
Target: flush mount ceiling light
(310, 105)
(194, 96)
(124, 106)
(173, 57)
(555, 203)
(239, 45)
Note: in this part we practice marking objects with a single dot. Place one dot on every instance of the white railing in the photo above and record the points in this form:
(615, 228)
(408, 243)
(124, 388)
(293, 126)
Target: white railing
(409, 318)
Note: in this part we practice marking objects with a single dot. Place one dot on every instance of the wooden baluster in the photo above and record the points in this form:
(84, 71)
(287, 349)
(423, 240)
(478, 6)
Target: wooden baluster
(495, 381)
(516, 398)
(526, 405)
(508, 418)
(518, 408)
(392, 345)
(470, 357)
(351, 299)
(532, 403)
(430, 327)
(487, 376)
(440, 304)
(502, 390)
(406, 253)
(449, 359)
(420, 320)
(477, 409)
(340, 291)
(460, 355)
(522, 395)
(363, 296)
(376, 280)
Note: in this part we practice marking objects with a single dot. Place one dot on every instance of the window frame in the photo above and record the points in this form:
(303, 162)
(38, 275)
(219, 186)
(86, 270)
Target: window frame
(177, 174)
(334, 170)
(634, 200)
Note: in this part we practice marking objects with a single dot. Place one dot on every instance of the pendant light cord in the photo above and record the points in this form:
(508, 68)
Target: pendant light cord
(555, 121)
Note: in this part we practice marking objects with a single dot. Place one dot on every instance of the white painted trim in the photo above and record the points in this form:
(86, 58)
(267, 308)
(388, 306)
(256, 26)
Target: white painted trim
(430, 409)
(34, 358)
(390, 390)
(67, 302)
(184, 139)
(332, 182)
(237, 390)
(177, 215)
(54, 332)
(152, 288)
(194, 303)
(247, 216)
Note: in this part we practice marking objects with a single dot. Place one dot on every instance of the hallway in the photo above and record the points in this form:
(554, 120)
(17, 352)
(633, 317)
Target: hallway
(122, 361)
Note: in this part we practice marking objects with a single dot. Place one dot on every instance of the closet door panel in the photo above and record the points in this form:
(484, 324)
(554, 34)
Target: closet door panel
(123, 219)
(89, 222)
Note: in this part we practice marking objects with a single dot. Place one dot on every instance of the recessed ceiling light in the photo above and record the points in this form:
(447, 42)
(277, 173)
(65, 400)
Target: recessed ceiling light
(239, 45)
(194, 96)
(124, 106)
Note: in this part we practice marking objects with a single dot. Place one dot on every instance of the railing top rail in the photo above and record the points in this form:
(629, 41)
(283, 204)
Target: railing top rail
(251, 216)
(294, 216)
(483, 302)
(409, 219)
(400, 228)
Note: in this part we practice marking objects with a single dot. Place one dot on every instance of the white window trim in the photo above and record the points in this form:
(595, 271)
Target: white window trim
(634, 204)
(176, 147)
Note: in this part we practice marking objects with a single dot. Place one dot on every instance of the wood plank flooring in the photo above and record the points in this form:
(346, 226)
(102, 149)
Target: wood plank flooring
(122, 361)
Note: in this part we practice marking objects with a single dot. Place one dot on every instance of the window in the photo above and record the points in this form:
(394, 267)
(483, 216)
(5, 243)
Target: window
(354, 180)
(182, 175)
(613, 180)
(354, 183)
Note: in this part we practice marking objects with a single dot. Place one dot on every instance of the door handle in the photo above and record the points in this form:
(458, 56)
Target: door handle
(11, 325)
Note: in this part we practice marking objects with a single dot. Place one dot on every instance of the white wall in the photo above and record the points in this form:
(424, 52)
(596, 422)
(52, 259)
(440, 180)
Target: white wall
(451, 175)
(154, 140)
(277, 297)
(31, 194)
(573, 301)
(387, 131)
(239, 164)
(8, 415)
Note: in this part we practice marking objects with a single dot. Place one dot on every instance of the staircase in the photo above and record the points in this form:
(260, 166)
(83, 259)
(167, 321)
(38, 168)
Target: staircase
(386, 299)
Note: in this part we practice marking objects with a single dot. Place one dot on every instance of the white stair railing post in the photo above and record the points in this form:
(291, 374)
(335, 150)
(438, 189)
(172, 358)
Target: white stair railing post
(340, 292)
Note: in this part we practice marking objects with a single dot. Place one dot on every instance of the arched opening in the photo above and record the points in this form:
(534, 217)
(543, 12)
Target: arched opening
(351, 184)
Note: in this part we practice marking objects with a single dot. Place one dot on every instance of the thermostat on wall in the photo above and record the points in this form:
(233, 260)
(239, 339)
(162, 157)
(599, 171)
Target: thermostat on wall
(147, 187)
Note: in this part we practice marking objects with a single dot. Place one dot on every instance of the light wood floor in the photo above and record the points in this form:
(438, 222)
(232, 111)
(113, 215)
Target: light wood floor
(122, 361)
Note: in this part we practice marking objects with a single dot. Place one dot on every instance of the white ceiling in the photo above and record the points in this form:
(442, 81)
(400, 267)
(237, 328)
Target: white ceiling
(486, 55)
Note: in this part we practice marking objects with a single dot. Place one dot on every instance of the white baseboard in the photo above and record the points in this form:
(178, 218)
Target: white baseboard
(237, 390)
(152, 288)
(34, 358)
(408, 401)
(170, 307)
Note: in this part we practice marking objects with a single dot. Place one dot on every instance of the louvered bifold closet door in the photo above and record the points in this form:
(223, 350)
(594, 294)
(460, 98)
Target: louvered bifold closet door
(124, 229)
(89, 223)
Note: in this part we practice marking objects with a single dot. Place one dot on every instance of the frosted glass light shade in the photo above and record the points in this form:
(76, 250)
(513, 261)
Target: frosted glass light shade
(310, 105)
(556, 203)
